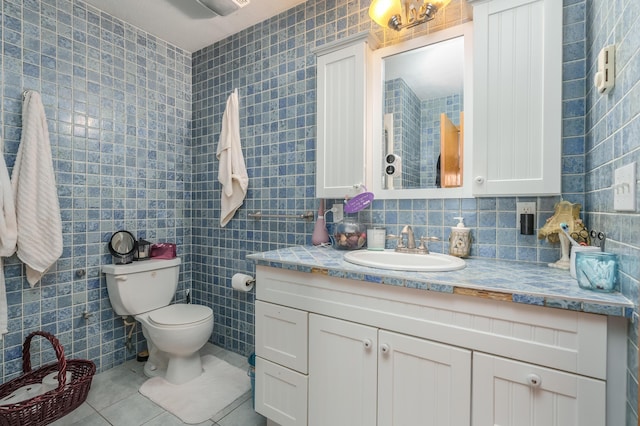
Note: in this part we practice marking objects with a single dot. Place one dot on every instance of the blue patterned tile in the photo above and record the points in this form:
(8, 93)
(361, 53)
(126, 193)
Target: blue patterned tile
(441, 288)
(603, 310)
(529, 300)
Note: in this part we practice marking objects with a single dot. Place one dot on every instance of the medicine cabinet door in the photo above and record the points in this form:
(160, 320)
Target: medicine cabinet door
(517, 97)
(342, 116)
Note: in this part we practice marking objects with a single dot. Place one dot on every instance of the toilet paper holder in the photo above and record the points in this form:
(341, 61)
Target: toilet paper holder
(242, 282)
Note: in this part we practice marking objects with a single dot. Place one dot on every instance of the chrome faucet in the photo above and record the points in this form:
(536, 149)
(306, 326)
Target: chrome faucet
(410, 246)
(411, 240)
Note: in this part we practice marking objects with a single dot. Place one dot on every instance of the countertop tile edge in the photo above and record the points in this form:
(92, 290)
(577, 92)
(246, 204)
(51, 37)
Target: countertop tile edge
(490, 280)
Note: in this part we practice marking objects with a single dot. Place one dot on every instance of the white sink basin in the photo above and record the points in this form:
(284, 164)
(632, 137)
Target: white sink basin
(390, 259)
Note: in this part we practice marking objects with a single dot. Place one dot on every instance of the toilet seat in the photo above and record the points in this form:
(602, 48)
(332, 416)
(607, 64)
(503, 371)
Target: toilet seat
(180, 315)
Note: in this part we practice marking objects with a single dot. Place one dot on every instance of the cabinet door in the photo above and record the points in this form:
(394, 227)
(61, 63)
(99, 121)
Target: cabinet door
(512, 393)
(422, 382)
(341, 126)
(517, 97)
(342, 373)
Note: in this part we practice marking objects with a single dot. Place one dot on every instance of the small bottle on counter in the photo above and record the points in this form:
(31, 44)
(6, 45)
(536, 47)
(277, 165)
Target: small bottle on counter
(460, 239)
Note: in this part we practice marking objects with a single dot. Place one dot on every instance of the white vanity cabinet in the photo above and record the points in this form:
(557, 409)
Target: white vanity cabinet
(361, 375)
(342, 113)
(517, 133)
(336, 351)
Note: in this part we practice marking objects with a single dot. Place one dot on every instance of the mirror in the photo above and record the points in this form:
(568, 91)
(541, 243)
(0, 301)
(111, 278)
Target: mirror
(422, 115)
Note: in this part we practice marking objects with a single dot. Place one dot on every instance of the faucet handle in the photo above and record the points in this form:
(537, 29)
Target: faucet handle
(422, 246)
(398, 239)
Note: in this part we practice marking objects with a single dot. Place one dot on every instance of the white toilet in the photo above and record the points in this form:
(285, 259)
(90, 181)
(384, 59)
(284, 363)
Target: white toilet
(174, 333)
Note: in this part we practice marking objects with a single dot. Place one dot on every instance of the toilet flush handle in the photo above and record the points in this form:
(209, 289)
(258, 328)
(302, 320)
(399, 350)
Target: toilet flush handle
(122, 278)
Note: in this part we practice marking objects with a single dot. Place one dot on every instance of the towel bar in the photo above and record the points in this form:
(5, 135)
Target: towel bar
(308, 215)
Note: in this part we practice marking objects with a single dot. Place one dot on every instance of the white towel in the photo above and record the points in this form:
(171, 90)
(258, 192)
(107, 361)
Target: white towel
(232, 172)
(8, 233)
(35, 194)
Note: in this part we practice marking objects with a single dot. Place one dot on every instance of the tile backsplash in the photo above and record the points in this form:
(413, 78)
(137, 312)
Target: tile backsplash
(134, 125)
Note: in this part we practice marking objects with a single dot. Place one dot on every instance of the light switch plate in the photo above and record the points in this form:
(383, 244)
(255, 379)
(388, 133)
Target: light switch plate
(524, 207)
(624, 188)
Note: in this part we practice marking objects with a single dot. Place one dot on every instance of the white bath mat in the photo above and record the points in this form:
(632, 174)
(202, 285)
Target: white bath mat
(201, 398)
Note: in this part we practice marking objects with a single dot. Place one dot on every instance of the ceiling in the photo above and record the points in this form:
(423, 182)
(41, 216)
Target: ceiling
(186, 23)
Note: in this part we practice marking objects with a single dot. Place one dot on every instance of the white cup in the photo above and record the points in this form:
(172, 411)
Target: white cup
(572, 258)
(376, 238)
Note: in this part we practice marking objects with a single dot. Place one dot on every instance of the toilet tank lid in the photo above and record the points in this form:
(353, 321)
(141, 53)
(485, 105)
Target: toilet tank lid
(140, 266)
(180, 314)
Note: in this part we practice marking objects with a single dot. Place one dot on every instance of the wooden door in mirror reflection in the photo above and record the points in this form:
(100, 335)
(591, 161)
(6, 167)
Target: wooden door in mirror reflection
(451, 150)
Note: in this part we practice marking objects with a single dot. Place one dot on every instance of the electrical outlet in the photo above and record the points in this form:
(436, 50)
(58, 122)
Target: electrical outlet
(523, 208)
(338, 212)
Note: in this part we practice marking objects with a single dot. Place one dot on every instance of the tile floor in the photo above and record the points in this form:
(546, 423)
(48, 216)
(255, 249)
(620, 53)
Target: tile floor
(114, 400)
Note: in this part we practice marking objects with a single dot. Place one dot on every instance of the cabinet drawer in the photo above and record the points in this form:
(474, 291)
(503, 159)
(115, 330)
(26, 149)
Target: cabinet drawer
(281, 335)
(281, 394)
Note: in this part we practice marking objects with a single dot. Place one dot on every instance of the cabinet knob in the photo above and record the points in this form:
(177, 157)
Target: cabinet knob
(367, 343)
(385, 348)
(534, 380)
(479, 179)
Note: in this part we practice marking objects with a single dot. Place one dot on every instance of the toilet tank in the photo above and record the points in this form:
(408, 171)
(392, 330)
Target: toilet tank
(142, 286)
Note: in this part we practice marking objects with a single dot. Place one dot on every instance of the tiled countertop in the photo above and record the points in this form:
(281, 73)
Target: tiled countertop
(520, 282)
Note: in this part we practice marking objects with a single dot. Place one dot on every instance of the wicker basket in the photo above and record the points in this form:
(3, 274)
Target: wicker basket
(50, 406)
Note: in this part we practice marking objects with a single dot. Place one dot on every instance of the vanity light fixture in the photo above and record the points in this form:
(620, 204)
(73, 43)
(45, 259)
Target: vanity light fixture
(400, 14)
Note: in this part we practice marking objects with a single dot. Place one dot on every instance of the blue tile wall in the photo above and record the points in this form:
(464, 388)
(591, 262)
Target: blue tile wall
(118, 106)
(612, 138)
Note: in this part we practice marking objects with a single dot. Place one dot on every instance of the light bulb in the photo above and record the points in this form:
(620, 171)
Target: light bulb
(381, 11)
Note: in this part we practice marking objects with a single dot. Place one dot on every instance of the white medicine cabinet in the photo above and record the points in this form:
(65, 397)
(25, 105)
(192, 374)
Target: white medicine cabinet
(505, 134)
(343, 110)
(517, 133)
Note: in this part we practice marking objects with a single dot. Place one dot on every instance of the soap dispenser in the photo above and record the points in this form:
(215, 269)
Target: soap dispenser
(460, 239)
